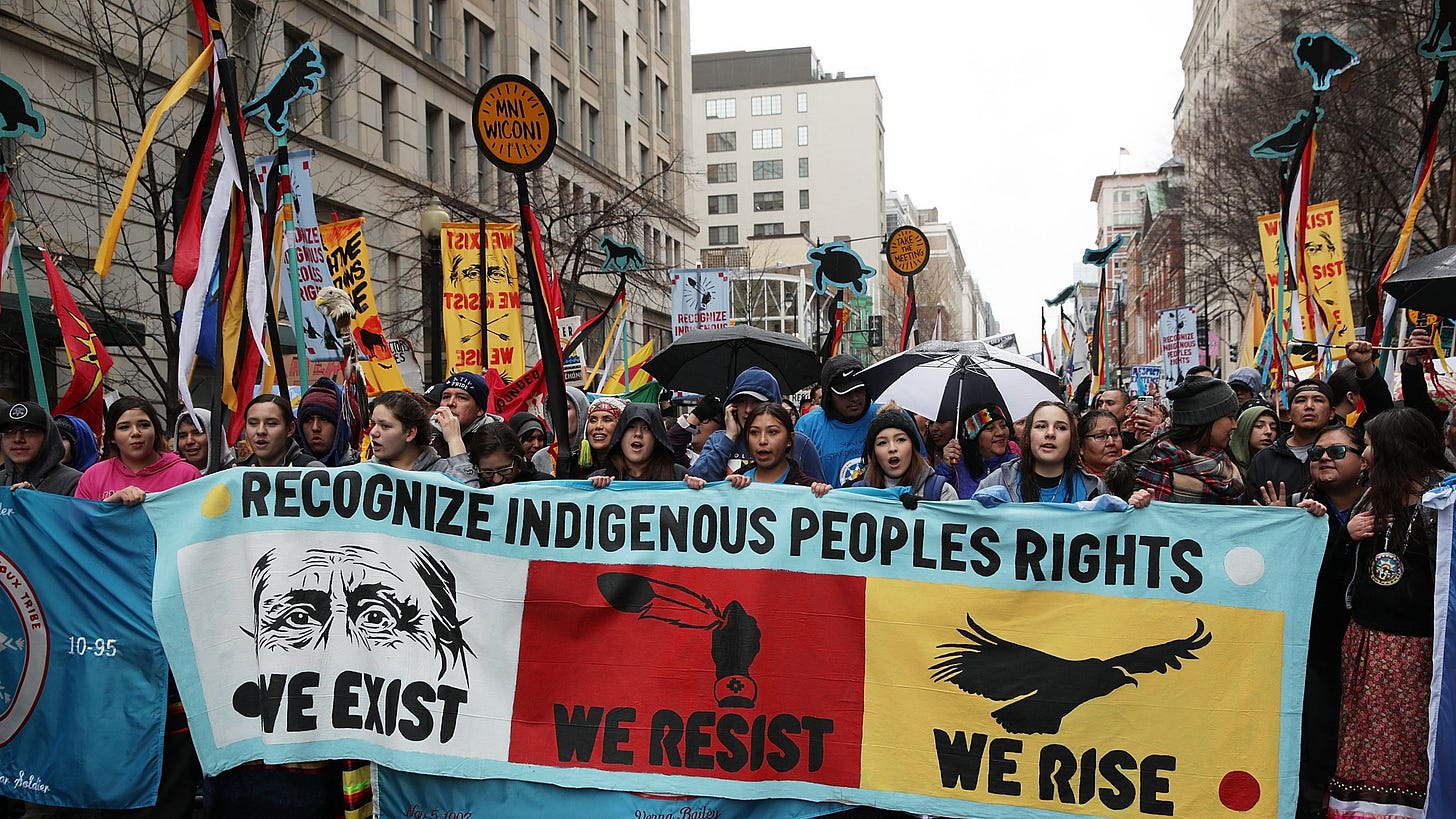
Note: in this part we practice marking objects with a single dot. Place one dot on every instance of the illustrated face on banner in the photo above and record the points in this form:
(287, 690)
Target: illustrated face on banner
(351, 595)
(356, 636)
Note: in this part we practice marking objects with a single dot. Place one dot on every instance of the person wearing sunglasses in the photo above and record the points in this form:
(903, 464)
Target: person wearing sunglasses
(982, 444)
(499, 457)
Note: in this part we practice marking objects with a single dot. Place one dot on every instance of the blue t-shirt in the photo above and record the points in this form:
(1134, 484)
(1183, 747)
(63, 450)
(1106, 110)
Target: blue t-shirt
(840, 445)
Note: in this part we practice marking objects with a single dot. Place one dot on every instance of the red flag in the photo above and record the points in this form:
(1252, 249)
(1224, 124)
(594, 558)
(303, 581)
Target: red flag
(89, 360)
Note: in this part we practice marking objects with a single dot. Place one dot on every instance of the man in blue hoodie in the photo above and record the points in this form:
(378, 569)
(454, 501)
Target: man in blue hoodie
(726, 448)
(839, 425)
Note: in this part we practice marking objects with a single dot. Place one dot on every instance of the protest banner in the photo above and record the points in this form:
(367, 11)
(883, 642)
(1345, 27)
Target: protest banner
(82, 678)
(348, 257)
(313, 265)
(1324, 258)
(482, 335)
(1441, 746)
(699, 299)
(657, 639)
(1145, 380)
(1177, 335)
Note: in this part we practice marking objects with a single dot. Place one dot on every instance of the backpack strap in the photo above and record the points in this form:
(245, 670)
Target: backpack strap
(932, 488)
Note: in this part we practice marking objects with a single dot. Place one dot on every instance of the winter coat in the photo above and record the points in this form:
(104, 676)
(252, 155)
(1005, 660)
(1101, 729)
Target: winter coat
(295, 456)
(45, 472)
(112, 475)
(1008, 475)
(712, 462)
(456, 467)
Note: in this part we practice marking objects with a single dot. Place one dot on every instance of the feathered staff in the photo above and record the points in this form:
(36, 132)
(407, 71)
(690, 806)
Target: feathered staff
(1097, 344)
(1323, 57)
(1437, 45)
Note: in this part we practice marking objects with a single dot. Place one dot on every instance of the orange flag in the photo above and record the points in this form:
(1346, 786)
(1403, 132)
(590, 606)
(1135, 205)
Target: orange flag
(89, 360)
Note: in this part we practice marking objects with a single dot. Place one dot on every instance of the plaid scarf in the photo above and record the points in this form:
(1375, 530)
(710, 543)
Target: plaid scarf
(1178, 476)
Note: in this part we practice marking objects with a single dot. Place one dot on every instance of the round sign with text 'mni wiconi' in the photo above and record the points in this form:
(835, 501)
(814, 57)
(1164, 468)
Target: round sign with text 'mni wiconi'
(907, 250)
(514, 123)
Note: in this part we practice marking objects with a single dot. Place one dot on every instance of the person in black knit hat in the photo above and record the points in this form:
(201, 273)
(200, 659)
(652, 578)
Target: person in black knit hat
(892, 457)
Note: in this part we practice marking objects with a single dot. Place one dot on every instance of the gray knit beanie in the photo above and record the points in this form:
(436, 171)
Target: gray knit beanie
(1201, 399)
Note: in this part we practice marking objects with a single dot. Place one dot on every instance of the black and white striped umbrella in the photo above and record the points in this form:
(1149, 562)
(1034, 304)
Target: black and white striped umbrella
(943, 380)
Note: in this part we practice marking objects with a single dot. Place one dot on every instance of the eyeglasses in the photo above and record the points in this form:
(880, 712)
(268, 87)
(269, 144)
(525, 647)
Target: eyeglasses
(1101, 436)
(497, 474)
(1336, 452)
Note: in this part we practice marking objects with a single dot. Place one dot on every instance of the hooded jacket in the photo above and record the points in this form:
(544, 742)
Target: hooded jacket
(566, 450)
(295, 456)
(839, 442)
(457, 467)
(84, 452)
(228, 457)
(112, 475)
(1083, 486)
(712, 462)
(45, 472)
(662, 447)
(1239, 448)
(341, 453)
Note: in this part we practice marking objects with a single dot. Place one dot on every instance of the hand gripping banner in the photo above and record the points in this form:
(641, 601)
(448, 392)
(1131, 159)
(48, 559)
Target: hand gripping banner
(1024, 661)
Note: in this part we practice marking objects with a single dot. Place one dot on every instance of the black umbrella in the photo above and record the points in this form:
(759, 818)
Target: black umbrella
(1427, 284)
(940, 379)
(707, 361)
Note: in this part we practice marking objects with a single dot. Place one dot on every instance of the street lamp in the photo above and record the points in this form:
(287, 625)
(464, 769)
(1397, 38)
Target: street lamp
(432, 269)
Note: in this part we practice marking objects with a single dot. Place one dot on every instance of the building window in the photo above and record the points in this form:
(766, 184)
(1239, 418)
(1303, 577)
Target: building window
(723, 172)
(386, 8)
(768, 138)
(803, 135)
(245, 47)
(722, 141)
(561, 98)
(432, 142)
(437, 29)
(664, 170)
(644, 162)
(804, 229)
(804, 199)
(642, 110)
(587, 39)
(626, 62)
(457, 150)
(558, 24)
(803, 167)
(724, 203)
(664, 34)
(483, 178)
(329, 111)
(535, 63)
(721, 108)
(421, 24)
(768, 169)
(388, 105)
(803, 102)
(662, 107)
(767, 105)
(642, 22)
(590, 129)
(479, 43)
(723, 235)
(768, 200)
(768, 229)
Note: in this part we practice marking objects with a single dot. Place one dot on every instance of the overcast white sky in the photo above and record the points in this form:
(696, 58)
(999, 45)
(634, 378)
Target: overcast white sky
(1000, 114)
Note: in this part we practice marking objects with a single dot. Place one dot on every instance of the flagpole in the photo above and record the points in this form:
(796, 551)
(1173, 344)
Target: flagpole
(27, 316)
(541, 312)
(290, 251)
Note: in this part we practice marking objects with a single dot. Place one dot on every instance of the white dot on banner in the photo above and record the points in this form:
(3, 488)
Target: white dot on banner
(1244, 565)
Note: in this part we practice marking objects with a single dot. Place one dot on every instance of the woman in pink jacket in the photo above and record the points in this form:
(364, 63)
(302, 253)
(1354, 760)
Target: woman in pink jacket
(139, 461)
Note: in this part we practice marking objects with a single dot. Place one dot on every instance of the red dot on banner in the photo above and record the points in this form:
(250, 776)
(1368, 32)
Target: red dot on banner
(1239, 791)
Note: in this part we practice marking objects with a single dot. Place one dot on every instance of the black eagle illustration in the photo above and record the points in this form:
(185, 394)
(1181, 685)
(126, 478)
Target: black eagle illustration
(1046, 688)
(300, 76)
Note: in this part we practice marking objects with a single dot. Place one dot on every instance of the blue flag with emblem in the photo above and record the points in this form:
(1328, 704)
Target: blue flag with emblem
(83, 682)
